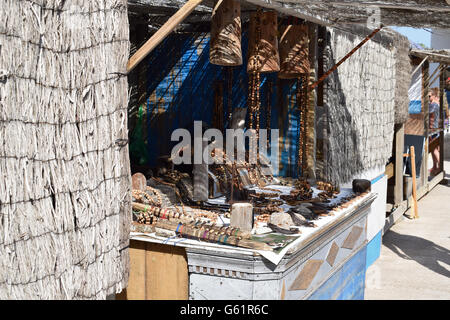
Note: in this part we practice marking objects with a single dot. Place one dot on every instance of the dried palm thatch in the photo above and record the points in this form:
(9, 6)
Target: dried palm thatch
(402, 75)
(360, 103)
(65, 182)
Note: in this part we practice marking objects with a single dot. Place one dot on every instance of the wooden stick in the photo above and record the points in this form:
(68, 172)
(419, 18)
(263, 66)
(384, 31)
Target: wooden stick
(413, 172)
(162, 33)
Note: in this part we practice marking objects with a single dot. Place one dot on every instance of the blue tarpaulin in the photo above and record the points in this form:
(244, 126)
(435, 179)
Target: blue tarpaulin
(180, 90)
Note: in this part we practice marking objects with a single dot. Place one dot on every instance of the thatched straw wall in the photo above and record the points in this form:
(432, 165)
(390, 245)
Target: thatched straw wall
(64, 167)
(402, 75)
(359, 101)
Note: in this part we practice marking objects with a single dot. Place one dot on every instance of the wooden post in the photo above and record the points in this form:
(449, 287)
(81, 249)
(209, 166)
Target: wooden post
(162, 32)
(442, 122)
(399, 147)
(414, 190)
(263, 53)
(225, 44)
(242, 216)
(294, 51)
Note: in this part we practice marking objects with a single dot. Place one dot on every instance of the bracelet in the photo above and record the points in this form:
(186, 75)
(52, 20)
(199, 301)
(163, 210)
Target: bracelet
(210, 234)
(180, 224)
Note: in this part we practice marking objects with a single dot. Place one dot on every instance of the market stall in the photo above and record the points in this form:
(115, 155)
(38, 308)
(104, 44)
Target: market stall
(303, 222)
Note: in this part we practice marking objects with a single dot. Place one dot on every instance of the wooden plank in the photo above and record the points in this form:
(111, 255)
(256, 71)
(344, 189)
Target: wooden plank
(389, 171)
(156, 272)
(162, 33)
(435, 181)
(395, 216)
(167, 275)
(399, 148)
(136, 282)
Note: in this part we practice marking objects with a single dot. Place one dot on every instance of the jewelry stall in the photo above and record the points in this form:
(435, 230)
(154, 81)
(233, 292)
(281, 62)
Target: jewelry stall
(295, 224)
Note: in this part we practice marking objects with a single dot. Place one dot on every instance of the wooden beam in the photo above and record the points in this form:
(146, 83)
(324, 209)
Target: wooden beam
(389, 171)
(352, 3)
(162, 33)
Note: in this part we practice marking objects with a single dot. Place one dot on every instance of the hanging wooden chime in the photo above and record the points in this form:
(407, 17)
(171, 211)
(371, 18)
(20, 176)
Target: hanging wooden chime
(225, 44)
(263, 53)
(302, 102)
(294, 51)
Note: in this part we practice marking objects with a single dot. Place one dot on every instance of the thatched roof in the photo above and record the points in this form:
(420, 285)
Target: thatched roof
(412, 13)
(439, 56)
(403, 75)
(65, 181)
(360, 103)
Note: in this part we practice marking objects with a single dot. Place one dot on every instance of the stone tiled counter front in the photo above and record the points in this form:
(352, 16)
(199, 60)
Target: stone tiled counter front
(328, 263)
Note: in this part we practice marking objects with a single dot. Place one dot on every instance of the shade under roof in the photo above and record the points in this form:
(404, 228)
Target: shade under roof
(438, 56)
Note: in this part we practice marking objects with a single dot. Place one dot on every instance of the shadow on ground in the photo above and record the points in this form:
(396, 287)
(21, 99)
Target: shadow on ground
(425, 252)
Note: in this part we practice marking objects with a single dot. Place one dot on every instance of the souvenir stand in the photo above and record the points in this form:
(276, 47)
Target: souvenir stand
(305, 222)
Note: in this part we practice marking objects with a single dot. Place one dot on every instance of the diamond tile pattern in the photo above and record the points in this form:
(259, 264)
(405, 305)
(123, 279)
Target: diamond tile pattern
(306, 276)
(352, 237)
(332, 253)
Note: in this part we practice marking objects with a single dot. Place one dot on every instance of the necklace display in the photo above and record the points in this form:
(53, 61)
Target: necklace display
(254, 102)
(302, 134)
(139, 195)
(153, 216)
